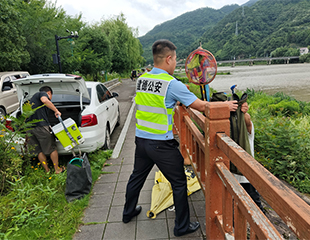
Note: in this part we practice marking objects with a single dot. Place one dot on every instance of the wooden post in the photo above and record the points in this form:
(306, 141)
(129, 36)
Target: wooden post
(217, 120)
(182, 134)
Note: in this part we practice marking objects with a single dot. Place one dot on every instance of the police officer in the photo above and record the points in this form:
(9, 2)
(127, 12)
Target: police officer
(157, 93)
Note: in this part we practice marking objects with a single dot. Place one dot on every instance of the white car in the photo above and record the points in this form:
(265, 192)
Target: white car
(90, 104)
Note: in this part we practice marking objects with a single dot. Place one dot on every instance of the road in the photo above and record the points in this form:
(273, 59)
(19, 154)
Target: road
(126, 91)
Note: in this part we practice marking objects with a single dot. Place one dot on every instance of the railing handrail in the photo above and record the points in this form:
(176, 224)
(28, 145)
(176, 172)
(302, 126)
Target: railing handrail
(294, 211)
(210, 155)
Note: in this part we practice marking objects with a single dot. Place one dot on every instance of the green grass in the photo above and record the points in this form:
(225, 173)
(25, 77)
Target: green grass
(36, 207)
(223, 73)
(282, 136)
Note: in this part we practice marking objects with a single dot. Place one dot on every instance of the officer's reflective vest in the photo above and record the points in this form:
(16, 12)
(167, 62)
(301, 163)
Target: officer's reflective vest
(152, 114)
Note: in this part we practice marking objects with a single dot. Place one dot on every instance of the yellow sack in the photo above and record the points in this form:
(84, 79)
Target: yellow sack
(162, 197)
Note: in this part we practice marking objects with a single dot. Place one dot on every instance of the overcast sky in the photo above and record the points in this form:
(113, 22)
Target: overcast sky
(141, 14)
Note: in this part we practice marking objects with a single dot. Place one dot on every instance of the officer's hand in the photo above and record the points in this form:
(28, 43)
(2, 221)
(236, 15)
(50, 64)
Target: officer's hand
(233, 105)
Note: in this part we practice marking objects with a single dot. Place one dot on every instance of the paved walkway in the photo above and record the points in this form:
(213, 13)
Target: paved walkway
(103, 217)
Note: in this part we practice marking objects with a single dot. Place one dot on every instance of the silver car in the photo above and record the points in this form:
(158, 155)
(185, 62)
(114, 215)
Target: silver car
(8, 94)
(90, 104)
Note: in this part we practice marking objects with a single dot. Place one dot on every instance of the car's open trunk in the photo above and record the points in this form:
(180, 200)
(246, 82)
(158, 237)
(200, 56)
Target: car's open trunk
(69, 106)
(67, 111)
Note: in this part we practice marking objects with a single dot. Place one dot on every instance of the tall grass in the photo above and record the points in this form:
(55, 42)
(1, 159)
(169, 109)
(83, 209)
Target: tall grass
(282, 136)
(36, 207)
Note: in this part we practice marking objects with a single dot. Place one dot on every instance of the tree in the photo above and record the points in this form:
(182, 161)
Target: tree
(27, 40)
(125, 47)
(41, 21)
(93, 53)
(12, 41)
(285, 52)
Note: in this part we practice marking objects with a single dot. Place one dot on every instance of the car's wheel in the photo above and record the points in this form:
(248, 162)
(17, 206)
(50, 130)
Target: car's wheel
(118, 119)
(107, 142)
(2, 113)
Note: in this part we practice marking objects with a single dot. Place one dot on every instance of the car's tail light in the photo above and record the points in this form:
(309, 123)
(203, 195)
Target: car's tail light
(8, 125)
(89, 120)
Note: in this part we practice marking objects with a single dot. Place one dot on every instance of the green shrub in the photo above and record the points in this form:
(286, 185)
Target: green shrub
(196, 89)
(282, 136)
(305, 58)
(103, 77)
(287, 108)
(36, 207)
(11, 162)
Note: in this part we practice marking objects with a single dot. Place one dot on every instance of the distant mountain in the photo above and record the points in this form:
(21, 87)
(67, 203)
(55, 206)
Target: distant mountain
(249, 3)
(255, 29)
(260, 29)
(185, 29)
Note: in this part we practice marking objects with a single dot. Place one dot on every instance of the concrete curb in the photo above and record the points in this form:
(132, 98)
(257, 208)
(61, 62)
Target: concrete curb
(121, 138)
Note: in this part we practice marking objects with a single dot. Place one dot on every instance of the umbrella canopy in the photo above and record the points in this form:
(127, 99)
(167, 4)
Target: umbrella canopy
(162, 196)
(200, 67)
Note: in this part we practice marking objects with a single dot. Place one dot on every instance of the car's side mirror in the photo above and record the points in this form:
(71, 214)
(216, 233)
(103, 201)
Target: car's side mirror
(115, 94)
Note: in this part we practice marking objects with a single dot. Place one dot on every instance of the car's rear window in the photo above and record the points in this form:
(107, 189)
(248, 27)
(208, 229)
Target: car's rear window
(66, 99)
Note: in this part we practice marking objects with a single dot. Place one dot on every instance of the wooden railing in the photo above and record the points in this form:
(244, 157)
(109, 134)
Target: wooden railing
(229, 209)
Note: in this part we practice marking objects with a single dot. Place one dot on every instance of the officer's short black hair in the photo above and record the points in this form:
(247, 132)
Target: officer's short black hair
(161, 49)
(46, 89)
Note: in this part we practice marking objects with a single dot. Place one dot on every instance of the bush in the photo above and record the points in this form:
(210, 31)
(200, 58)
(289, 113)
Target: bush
(305, 58)
(11, 162)
(286, 108)
(103, 77)
(36, 207)
(282, 136)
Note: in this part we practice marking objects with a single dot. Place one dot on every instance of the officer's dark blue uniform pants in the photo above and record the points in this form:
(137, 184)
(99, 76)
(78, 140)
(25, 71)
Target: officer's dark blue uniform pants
(167, 157)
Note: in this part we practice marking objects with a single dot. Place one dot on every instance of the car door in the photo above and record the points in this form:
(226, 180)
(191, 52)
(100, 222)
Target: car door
(9, 94)
(103, 110)
(112, 104)
(109, 104)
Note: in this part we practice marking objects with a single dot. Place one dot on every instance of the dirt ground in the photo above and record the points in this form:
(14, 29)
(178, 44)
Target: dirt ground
(292, 79)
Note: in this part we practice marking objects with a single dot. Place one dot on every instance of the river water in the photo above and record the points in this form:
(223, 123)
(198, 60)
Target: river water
(292, 79)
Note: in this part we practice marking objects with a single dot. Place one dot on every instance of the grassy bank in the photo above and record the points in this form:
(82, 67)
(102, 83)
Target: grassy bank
(36, 207)
(282, 136)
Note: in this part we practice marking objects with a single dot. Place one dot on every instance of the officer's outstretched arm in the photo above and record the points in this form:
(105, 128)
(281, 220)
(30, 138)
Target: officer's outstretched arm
(200, 105)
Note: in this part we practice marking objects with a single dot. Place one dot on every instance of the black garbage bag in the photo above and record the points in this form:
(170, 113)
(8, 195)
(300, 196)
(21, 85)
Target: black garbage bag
(79, 178)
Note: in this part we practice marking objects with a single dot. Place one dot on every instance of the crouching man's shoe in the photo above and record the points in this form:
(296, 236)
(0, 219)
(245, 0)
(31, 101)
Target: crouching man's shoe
(135, 213)
(193, 226)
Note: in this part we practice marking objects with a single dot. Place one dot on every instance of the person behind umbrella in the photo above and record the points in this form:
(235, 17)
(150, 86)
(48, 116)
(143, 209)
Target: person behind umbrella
(157, 93)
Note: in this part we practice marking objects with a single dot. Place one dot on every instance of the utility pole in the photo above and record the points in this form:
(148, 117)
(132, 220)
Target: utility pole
(57, 38)
(236, 33)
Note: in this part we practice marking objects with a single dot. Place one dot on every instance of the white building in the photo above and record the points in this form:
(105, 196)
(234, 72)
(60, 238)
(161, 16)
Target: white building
(303, 50)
